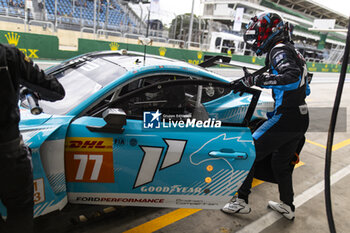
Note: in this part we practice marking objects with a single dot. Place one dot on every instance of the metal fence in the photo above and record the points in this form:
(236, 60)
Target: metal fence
(101, 18)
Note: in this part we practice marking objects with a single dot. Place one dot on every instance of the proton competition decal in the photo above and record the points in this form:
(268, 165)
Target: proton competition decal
(89, 160)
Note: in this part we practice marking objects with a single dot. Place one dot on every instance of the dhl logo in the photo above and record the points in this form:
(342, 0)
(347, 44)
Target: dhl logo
(89, 144)
(86, 144)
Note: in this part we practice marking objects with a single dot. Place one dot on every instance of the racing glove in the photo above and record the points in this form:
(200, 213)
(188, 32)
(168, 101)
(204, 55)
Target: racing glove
(243, 83)
(238, 86)
(249, 79)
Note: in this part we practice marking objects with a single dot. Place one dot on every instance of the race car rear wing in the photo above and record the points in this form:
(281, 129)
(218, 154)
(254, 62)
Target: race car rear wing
(210, 61)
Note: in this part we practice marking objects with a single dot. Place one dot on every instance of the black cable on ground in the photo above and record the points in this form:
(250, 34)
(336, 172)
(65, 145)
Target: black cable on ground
(327, 169)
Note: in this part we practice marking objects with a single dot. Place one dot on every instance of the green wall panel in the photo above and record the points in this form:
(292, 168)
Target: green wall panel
(38, 46)
(33, 45)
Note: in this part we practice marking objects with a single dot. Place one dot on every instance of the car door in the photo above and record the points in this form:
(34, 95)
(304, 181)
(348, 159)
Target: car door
(159, 148)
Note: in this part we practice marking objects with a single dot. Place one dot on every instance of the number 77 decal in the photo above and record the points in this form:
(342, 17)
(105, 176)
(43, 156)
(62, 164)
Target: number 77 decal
(152, 156)
(82, 165)
(89, 160)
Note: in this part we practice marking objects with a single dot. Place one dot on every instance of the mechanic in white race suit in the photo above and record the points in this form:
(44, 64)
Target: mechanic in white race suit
(280, 135)
(16, 177)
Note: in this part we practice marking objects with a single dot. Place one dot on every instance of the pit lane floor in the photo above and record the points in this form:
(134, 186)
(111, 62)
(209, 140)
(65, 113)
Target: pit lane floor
(308, 188)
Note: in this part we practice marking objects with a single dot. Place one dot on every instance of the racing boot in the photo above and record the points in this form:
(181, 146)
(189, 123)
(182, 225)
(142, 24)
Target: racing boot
(283, 209)
(238, 206)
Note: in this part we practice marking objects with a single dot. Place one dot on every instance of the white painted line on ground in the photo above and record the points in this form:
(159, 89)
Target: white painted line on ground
(272, 217)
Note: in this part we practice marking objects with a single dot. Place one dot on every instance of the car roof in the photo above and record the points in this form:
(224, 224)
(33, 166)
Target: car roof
(133, 61)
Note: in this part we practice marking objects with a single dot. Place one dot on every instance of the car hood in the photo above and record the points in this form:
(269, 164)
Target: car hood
(29, 120)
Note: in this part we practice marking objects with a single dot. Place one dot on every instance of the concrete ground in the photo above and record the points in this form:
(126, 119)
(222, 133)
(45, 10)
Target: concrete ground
(308, 187)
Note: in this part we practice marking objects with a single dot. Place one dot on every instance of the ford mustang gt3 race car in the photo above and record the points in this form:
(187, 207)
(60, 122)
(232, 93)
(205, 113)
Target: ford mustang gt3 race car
(140, 131)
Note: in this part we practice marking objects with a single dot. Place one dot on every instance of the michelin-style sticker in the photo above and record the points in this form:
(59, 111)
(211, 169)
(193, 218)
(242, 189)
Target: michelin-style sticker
(89, 160)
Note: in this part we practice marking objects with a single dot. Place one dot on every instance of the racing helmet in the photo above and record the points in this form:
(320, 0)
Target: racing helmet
(265, 30)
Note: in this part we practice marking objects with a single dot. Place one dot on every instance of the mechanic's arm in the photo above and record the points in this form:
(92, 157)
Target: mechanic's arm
(35, 79)
(286, 72)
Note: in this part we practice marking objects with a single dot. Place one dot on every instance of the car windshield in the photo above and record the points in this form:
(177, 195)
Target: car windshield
(82, 81)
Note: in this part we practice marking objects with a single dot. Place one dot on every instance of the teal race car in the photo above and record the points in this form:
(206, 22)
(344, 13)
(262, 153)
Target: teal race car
(140, 130)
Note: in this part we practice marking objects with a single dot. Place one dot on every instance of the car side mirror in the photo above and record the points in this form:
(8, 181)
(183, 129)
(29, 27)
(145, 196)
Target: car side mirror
(115, 119)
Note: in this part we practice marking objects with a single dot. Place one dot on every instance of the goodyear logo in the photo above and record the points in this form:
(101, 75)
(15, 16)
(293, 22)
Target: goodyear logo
(13, 39)
(114, 46)
(89, 144)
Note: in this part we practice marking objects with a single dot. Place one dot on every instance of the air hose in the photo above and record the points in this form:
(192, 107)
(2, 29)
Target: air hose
(327, 169)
